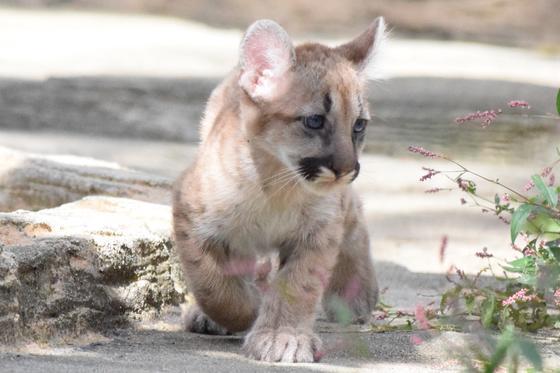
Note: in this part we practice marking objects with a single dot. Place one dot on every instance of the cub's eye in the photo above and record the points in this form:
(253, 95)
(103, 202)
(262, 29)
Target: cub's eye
(314, 122)
(360, 125)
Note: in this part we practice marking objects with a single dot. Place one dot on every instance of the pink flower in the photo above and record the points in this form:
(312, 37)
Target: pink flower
(484, 253)
(504, 220)
(420, 150)
(416, 340)
(529, 252)
(420, 315)
(463, 184)
(322, 275)
(546, 171)
(557, 297)
(505, 199)
(352, 289)
(431, 172)
(519, 103)
(442, 247)
(318, 355)
(486, 117)
(433, 190)
(520, 296)
(381, 315)
(239, 267)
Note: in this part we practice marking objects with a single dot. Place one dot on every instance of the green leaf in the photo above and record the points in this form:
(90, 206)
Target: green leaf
(340, 310)
(527, 279)
(521, 265)
(555, 250)
(529, 350)
(558, 102)
(521, 262)
(549, 194)
(545, 222)
(487, 309)
(469, 303)
(504, 343)
(448, 297)
(519, 218)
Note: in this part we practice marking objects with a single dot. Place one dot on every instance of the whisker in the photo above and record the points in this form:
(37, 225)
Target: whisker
(288, 182)
(283, 172)
(258, 184)
(284, 177)
(281, 179)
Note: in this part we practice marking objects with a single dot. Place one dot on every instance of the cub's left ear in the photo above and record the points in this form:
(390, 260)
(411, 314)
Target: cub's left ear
(363, 50)
(266, 56)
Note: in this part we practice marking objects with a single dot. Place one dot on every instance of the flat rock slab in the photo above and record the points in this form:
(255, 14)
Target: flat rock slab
(33, 181)
(86, 265)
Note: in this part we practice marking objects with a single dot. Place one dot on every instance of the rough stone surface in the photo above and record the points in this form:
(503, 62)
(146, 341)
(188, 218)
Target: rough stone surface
(33, 181)
(86, 265)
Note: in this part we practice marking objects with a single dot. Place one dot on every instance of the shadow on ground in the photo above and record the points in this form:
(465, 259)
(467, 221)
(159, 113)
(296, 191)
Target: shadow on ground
(142, 350)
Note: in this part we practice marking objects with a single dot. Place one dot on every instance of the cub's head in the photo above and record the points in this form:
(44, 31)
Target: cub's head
(306, 105)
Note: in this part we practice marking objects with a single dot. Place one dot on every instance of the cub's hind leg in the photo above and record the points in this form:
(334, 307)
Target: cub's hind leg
(353, 282)
(196, 321)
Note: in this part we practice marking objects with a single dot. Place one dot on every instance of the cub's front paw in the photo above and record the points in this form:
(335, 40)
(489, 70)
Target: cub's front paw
(196, 321)
(287, 345)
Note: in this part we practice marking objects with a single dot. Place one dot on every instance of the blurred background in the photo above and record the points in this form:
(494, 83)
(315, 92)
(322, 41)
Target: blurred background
(126, 81)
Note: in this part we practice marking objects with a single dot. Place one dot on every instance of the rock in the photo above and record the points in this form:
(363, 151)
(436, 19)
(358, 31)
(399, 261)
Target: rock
(120, 107)
(34, 182)
(89, 265)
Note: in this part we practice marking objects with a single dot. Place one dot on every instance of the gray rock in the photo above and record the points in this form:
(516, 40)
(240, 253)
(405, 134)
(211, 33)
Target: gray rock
(89, 265)
(34, 182)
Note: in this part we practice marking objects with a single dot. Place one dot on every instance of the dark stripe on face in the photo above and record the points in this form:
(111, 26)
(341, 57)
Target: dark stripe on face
(327, 103)
(356, 171)
(309, 167)
(358, 138)
(360, 104)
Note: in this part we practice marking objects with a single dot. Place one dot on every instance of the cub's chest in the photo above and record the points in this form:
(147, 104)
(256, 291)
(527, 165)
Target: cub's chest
(254, 223)
(262, 227)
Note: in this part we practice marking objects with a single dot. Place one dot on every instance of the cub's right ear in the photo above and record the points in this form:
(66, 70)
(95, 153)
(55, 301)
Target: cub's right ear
(363, 50)
(267, 53)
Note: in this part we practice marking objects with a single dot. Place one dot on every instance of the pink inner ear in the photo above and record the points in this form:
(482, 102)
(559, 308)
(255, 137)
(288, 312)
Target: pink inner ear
(265, 50)
(266, 55)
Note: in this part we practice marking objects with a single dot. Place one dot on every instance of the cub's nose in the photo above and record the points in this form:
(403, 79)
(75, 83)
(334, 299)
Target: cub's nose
(343, 168)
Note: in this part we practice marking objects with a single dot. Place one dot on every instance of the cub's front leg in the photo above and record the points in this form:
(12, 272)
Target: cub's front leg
(283, 330)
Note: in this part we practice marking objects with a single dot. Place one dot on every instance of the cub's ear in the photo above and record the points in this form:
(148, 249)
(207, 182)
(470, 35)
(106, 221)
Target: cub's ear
(363, 50)
(267, 53)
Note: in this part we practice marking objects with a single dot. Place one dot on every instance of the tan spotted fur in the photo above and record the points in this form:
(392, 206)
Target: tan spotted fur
(243, 197)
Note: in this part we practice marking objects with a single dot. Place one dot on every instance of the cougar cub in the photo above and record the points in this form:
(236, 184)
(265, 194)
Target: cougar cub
(281, 138)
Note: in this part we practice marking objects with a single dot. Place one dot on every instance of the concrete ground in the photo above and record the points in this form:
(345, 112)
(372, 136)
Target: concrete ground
(162, 348)
(405, 223)
(156, 351)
